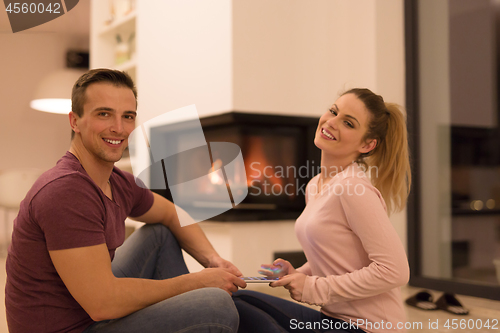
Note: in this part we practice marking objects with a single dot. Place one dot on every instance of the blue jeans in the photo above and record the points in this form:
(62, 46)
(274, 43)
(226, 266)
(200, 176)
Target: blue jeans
(265, 313)
(152, 252)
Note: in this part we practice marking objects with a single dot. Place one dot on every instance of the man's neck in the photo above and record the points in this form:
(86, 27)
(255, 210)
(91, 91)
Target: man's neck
(98, 170)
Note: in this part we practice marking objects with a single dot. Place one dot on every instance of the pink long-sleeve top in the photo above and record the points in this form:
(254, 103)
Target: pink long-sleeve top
(355, 259)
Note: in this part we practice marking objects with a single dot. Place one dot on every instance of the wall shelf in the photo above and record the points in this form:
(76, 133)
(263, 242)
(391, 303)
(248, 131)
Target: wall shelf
(120, 24)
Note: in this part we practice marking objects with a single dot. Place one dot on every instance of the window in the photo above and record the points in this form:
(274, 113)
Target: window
(453, 117)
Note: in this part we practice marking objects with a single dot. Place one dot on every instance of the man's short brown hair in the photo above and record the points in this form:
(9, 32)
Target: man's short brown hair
(100, 75)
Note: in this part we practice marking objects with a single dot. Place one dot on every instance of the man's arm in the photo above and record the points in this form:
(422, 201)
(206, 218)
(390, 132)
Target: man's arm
(191, 238)
(86, 272)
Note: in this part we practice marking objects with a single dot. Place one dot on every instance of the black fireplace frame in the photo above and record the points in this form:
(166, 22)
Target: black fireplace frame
(308, 154)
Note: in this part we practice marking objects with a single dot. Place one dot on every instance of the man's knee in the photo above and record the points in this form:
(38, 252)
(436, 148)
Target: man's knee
(159, 232)
(157, 228)
(216, 307)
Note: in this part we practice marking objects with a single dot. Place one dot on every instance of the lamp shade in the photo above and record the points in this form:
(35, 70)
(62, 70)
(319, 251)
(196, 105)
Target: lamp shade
(53, 93)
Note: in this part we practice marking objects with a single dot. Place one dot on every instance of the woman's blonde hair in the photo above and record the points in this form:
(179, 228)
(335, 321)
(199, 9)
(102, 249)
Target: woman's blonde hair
(388, 164)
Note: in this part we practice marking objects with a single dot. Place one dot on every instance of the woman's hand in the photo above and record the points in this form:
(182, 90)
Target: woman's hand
(294, 283)
(278, 268)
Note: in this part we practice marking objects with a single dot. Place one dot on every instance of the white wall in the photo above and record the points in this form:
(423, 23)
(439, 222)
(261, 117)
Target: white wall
(294, 56)
(390, 79)
(29, 138)
(184, 53)
(280, 56)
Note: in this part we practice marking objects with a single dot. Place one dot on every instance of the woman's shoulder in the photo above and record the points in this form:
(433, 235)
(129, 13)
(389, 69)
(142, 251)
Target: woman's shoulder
(355, 174)
(359, 187)
(356, 177)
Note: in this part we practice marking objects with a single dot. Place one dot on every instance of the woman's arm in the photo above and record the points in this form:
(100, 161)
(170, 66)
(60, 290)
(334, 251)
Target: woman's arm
(304, 269)
(387, 267)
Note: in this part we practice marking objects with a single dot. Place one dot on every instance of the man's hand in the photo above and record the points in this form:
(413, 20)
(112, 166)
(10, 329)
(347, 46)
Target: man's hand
(294, 283)
(221, 278)
(218, 262)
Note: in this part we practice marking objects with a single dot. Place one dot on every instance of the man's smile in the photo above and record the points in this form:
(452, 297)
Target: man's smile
(113, 142)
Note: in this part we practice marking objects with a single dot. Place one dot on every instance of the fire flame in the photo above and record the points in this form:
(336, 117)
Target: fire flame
(256, 161)
(215, 178)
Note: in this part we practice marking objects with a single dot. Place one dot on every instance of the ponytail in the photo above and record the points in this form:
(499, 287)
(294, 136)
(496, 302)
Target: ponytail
(392, 162)
(388, 164)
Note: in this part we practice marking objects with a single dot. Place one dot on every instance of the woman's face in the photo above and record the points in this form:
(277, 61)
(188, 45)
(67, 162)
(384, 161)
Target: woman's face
(341, 129)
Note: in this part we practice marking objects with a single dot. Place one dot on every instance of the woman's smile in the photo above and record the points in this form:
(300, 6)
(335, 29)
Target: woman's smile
(327, 135)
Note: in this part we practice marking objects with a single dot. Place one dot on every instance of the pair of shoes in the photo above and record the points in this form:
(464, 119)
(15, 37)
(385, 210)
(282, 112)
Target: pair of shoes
(447, 302)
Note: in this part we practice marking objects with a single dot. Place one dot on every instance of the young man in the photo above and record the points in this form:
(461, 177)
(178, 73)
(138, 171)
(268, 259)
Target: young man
(62, 271)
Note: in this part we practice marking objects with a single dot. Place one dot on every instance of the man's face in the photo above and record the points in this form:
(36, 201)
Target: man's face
(108, 119)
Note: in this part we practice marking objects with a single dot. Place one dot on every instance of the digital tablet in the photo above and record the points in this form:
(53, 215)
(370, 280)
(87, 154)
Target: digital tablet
(259, 279)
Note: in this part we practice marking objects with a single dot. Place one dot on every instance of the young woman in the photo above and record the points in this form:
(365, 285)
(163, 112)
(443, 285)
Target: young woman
(355, 260)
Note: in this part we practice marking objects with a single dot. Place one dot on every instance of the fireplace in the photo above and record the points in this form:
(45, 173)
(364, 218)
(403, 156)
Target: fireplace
(278, 154)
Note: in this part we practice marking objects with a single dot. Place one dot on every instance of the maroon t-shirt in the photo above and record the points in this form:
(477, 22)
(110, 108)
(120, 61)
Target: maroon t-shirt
(64, 209)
